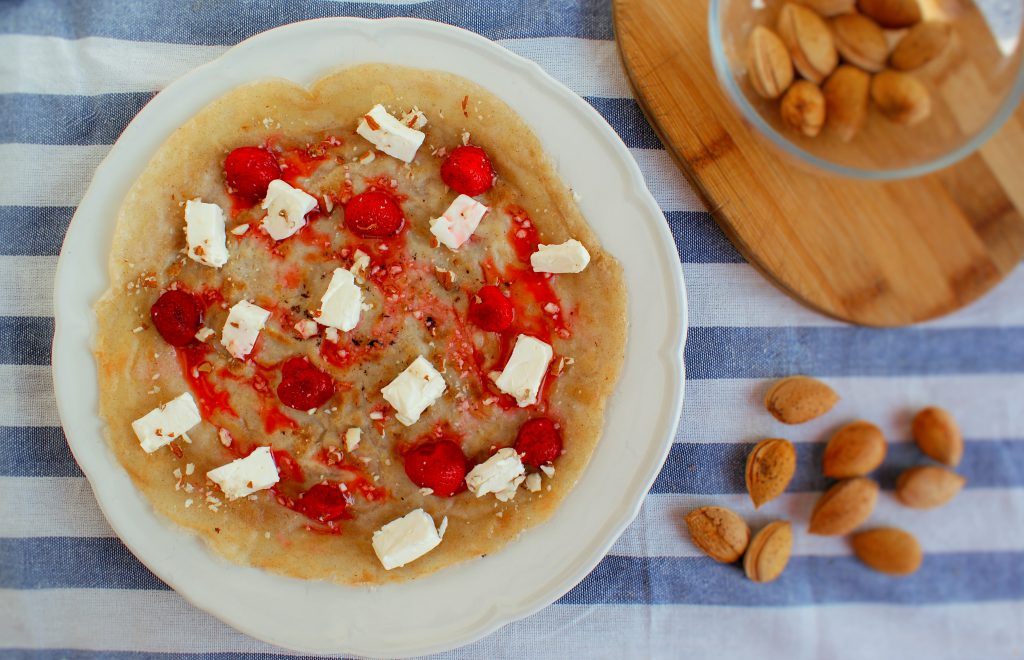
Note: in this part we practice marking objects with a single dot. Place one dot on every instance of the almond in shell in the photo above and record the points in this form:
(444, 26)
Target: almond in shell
(844, 507)
(803, 108)
(860, 41)
(928, 486)
(901, 97)
(922, 44)
(854, 450)
(847, 95)
(938, 436)
(769, 65)
(770, 467)
(719, 532)
(891, 14)
(798, 399)
(769, 552)
(829, 7)
(888, 550)
(809, 41)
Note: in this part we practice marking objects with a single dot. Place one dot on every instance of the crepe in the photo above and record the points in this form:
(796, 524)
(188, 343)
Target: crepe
(412, 313)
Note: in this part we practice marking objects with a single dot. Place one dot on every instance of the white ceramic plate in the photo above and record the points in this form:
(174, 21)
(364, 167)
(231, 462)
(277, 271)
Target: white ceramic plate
(478, 596)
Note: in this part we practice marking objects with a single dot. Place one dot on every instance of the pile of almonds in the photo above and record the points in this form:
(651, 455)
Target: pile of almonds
(849, 54)
(853, 452)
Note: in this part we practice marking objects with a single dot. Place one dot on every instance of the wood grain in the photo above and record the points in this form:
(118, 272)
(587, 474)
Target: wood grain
(880, 254)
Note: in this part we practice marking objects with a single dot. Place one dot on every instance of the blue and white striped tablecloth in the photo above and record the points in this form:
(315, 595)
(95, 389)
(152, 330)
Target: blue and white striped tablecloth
(72, 74)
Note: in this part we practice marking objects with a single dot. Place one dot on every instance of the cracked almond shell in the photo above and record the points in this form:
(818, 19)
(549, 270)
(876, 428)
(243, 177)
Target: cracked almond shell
(771, 465)
(809, 41)
(769, 552)
(860, 41)
(719, 532)
(769, 66)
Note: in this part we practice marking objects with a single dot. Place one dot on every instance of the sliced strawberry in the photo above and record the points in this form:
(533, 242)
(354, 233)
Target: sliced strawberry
(303, 386)
(439, 465)
(468, 170)
(490, 310)
(177, 316)
(539, 441)
(249, 170)
(374, 214)
(323, 502)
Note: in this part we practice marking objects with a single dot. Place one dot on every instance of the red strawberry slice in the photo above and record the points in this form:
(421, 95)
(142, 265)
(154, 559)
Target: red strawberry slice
(490, 310)
(303, 386)
(374, 214)
(177, 316)
(323, 502)
(249, 170)
(439, 465)
(468, 170)
(539, 441)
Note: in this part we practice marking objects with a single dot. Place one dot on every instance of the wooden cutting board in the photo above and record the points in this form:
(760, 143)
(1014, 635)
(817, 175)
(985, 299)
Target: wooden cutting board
(880, 254)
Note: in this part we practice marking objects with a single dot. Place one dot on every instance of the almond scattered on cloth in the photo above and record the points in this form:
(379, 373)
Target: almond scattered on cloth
(888, 550)
(854, 450)
(719, 532)
(770, 467)
(769, 552)
(928, 486)
(798, 399)
(844, 507)
(938, 436)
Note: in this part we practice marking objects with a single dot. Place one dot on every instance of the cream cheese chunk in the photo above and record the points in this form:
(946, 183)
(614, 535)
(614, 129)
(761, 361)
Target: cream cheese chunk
(204, 233)
(525, 369)
(407, 538)
(286, 209)
(243, 326)
(390, 135)
(414, 390)
(340, 306)
(500, 474)
(162, 426)
(459, 222)
(567, 257)
(245, 476)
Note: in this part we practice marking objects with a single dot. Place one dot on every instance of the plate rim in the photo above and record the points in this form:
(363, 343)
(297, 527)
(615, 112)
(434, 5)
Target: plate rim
(588, 557)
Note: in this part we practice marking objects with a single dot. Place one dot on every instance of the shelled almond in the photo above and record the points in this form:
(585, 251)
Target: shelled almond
(842, 55)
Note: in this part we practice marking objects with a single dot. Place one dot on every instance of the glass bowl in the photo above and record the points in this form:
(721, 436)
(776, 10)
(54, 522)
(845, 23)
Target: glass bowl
(975, 86)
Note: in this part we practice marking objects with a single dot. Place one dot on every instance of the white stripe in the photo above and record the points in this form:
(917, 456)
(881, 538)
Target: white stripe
(589, 67)
(27, 286)
(660, 530)
(65, 506)
(26, 398)
(47, 175)
(736, 295)
(162, 622)
(732, 410)
(666, 182)
(43, 65)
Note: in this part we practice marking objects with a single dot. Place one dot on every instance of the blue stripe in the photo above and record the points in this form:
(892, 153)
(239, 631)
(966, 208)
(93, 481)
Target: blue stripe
(25, 339)
(81, 654)
(942, 578)
(691, 468)
(228, 22)
(36, 451)
(718, 468)
(733, 352)
(33, 230)
(699, 240)
(67, 119)
(105, 563)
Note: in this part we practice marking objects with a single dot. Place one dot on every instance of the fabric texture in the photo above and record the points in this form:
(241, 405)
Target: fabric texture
(73, 74)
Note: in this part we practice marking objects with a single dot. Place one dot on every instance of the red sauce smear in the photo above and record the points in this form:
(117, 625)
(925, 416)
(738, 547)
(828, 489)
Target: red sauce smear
(209, 398)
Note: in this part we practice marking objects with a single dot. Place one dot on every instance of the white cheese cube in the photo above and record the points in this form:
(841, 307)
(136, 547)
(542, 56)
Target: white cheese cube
(245, 476)
(567, 257)
(286, 209)
(204, 233)
(459, 222)
(413, 390)
(243, 326)
(390, 135)
(500, 474)
(340, 306)
(162, 426)
(525, 369)
(407, 538)
(352, 438)
(415, 119)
